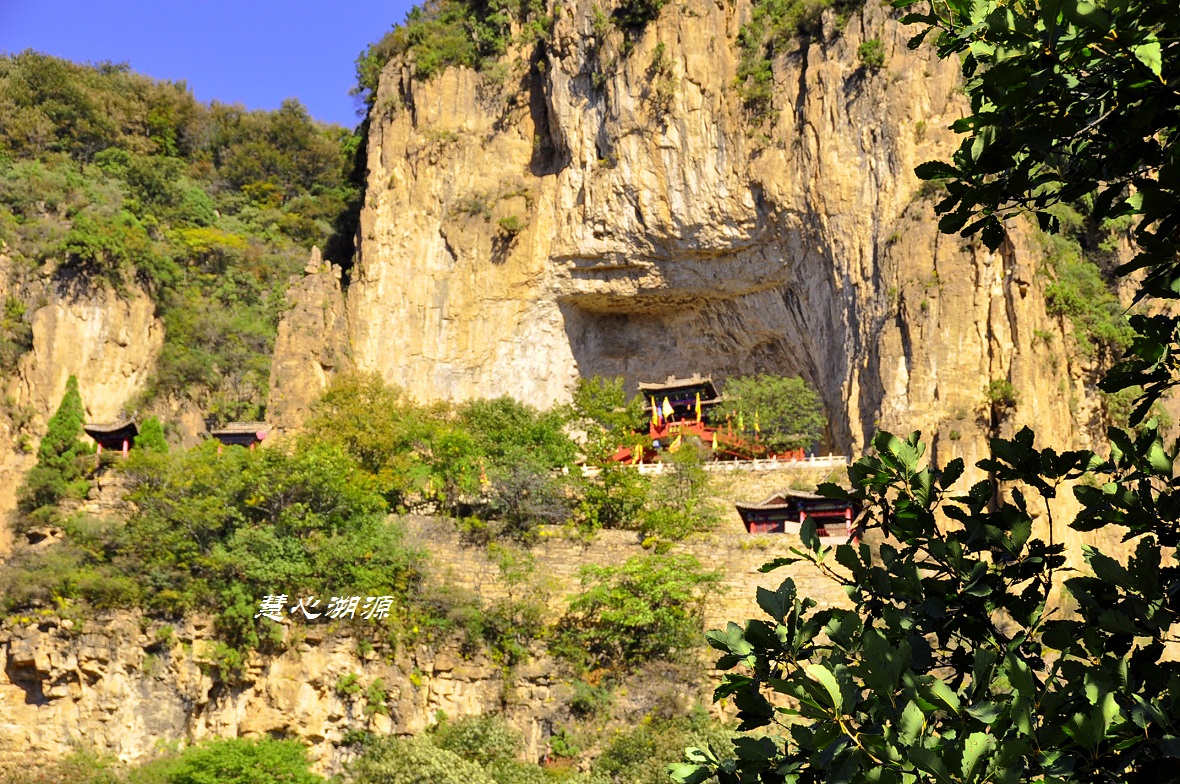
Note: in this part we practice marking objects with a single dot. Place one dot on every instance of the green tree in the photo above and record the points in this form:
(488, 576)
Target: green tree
(601, 408)
(151, 436)
(790, 412)
(646, 608)
(58, 473)
(381, 428)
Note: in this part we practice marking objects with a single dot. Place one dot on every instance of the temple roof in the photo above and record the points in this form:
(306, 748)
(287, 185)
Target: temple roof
(238, 428)
(110, 428)
(678, 383)
(782, 498)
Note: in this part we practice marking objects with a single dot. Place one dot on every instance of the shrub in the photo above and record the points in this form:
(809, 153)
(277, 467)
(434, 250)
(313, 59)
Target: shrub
(81, 767)
(481, 739)
(1078, 292)
(588, 700)
(641, 754)
(1002, 393)
(871, 54)
(239, 761)
(511, 225)
(614, 499)
(414, 761)
(647, 608)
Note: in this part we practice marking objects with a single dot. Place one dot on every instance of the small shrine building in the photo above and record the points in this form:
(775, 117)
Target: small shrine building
(113, 436)
(785, 511)
(247, 434)
(676, 406)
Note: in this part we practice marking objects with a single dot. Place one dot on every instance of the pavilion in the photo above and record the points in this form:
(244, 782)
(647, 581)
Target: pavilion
(785, 511)
(114, 436)
(247, 434)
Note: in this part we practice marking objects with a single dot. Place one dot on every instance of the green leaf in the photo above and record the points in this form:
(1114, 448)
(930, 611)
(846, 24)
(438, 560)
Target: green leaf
(944, 694)
(778, 603)
(973, 750)
(911, 722)
(1149, 55)
(807, 532)
(685, 773)
(828, 681)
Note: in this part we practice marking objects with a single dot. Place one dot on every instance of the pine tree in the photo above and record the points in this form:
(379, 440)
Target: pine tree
(57, 474)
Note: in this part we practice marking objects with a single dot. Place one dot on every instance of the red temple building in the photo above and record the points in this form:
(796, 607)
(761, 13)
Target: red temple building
(247, 434)
(785, 511)
(115, 436)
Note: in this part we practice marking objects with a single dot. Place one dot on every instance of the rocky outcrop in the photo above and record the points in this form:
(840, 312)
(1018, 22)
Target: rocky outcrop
(124, 687)
(109, 339)
(613, 213)
(312, 343)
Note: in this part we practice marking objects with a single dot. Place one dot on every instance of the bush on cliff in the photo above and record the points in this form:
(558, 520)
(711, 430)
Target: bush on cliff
(647, 608)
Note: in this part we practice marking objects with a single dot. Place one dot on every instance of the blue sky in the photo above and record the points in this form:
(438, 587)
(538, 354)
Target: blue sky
(254, 52)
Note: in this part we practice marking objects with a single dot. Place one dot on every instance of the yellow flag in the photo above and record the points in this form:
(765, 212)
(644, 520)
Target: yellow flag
(698, 407)
(655, 413)
(667, 409)
(757, 427)
(675, 445)
(741, 422)
(714, 442)
(638, 453)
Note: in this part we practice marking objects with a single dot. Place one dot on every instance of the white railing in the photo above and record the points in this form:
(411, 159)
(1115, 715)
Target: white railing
(765, 464)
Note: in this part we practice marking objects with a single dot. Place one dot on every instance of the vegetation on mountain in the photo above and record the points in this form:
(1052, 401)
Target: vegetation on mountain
(117, 178)
(774, 29)
(649, 607)
(957, 662)
(220, 761)
(441, 33)
(789, 412)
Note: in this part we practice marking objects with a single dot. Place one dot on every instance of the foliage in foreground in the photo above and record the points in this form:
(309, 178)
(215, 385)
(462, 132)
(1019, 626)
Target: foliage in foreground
(949, 667)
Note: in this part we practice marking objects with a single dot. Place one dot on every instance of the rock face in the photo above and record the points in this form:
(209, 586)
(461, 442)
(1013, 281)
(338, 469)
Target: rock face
(125, 688)
(311, 343)
(617, 214)
(110, 340)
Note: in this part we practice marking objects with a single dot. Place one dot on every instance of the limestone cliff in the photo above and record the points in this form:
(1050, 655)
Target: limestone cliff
(109, 339)
(311, 343)
(597, 214)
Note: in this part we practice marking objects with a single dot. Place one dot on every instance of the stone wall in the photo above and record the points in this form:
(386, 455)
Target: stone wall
(559, 559)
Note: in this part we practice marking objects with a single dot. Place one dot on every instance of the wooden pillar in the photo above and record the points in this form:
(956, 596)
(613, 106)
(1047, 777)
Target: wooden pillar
(219, 445)
(126, 447)
(99, 448)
